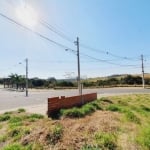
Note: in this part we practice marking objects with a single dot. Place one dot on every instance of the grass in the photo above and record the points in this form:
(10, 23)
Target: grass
(106, 140)
(55, 134)
(144, 137)
(122, 123)
(4, 117)
(77, 112)
(15, 146)
(20, 110)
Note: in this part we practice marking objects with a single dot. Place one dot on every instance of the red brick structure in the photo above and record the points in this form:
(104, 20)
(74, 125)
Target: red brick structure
(56, 103)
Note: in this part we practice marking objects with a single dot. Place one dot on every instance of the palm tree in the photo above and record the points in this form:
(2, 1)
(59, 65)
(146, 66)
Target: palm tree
(17, 80)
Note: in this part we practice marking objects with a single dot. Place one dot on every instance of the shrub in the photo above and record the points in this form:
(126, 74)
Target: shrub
(20, 110)
(4, 118)
(8, 112)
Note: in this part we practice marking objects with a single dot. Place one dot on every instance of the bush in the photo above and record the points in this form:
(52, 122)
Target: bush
(21, 110)
(4, 118)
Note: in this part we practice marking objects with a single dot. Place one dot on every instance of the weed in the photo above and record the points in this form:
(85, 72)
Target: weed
(4, 118)
(106, 140)
(35, 116)
(90, 147)
(74, 112)
(132, 117)
(123, 103)
(82, 111)
(20, 110)
(15, 146)
(3, 138)
(147, 109)
(34, 146)
(8, 112)
(113, 107)
(15, 119)
(1, 126)
(55, 134)
(106, 100)
(144, 137)
(14, 132)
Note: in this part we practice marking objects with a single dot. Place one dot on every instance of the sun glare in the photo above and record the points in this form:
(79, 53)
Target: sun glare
(27, 15)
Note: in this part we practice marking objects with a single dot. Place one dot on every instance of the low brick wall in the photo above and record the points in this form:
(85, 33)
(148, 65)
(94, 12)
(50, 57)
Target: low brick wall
(56, 103)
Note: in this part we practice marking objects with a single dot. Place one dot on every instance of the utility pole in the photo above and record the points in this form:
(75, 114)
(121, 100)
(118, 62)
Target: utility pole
(143, 81)
(26, 77)
(78, 60)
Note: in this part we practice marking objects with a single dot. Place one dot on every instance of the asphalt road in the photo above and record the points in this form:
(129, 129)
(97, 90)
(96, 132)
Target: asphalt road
(12, 99)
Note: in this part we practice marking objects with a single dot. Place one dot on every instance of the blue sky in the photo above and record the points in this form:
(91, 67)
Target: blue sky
(114, 32)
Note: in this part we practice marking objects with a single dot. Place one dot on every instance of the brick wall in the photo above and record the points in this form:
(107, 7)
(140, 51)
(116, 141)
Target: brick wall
(56, 103)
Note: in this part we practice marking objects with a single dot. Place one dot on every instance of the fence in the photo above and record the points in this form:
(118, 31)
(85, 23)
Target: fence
(56, 103)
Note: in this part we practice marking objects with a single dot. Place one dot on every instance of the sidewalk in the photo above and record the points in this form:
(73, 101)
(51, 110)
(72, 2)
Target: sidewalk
(39, 109)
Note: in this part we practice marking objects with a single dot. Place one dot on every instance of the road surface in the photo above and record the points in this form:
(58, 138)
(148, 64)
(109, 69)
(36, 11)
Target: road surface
(10, 100)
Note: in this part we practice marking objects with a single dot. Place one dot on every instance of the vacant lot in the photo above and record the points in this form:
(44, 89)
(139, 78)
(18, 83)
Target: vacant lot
(118, 122)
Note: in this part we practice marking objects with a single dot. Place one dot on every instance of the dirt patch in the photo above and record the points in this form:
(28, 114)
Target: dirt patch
(78, 132)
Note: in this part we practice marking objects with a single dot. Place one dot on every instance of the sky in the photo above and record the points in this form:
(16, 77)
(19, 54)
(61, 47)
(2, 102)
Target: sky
(113, 34)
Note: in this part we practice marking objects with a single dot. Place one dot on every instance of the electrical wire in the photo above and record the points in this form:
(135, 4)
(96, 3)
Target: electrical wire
(35, 32)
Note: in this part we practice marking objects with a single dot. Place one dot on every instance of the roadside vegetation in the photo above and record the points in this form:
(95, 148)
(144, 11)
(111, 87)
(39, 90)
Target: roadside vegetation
(110, 123)
(16, 81)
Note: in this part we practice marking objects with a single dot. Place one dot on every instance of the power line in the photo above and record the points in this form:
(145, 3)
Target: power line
(35, 32)
(66, 37)
(53, 29)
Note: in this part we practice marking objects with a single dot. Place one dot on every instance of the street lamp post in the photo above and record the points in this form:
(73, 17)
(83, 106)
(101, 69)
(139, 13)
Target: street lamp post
(26, 77)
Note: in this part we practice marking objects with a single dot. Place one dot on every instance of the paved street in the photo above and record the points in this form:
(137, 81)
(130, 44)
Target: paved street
(38, 98)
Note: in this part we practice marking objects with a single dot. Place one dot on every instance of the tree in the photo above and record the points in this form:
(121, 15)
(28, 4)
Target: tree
(17, 81)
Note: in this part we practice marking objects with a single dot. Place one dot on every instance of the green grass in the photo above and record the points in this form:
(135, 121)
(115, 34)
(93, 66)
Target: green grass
(20, 110)
(4, 117)
(114, 107)
(55, 134)
(132, 117)
(15, 146)
(127, 126)
(3, 138)
(144, 137)
(77, 112)
(106, 140)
